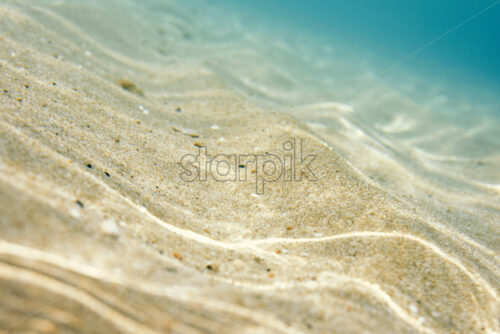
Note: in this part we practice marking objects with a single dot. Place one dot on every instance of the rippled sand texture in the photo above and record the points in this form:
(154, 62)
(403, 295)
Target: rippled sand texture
(98, 234)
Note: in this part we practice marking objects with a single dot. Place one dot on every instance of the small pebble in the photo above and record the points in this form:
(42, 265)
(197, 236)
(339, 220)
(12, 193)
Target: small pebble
(75, 213)
(144, 110)
(213, 267)
(109, 227)
(130, 86)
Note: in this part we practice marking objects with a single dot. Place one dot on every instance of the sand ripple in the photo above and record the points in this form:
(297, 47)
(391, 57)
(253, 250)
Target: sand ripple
(99, 233)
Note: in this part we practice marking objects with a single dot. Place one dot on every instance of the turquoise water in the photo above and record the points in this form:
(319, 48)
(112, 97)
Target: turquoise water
(448, 41)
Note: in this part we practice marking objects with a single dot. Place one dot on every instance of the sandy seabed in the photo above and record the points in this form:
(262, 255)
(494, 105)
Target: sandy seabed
(99, 234)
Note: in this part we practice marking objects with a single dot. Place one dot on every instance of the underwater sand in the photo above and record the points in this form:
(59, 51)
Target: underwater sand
(99, 234)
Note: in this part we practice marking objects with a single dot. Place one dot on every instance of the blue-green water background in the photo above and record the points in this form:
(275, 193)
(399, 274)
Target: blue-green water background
(468, 58)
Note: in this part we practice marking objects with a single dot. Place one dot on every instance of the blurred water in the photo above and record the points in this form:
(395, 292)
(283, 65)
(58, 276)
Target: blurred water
(389, 31)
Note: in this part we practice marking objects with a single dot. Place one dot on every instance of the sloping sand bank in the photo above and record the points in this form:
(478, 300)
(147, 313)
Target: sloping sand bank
(99, 234)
